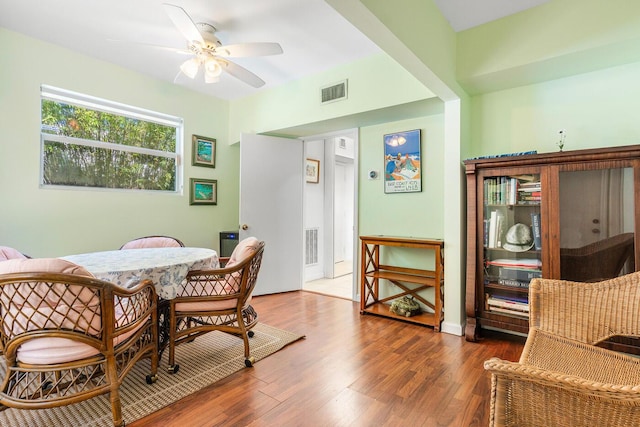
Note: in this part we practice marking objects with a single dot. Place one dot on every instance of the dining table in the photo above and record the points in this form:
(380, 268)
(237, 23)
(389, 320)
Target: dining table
(165, 267)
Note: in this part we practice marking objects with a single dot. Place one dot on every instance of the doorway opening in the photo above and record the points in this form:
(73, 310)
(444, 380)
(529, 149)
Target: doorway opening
(330, 216)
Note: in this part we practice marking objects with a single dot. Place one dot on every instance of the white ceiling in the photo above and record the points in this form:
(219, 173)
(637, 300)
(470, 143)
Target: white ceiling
(465, 14)
(313, 36)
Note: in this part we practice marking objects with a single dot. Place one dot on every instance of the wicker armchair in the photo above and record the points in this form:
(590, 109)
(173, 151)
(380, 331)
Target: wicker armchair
(217, 300)
(563, 378)
(597, 261)
(68, 336)
(153, 242)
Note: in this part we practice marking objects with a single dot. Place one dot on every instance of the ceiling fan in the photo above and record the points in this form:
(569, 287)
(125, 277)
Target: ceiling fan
(210, 54)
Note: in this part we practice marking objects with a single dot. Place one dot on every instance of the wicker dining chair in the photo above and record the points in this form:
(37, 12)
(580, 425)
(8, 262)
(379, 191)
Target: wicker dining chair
(7, 253)
(153, 242)
(217, 300)
(563, 378)
(68, 336)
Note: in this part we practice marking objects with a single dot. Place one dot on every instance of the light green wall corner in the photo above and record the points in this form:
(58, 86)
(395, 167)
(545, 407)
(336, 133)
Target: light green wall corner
(556, 39)
(423, 30)
(374, 82)
(50, 222)
(416, 34)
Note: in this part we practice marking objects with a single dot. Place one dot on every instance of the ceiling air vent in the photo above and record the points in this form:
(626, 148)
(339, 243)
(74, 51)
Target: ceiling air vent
(335, 92)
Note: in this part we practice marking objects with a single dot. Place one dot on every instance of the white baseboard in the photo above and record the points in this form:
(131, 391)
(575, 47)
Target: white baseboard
(452, 328)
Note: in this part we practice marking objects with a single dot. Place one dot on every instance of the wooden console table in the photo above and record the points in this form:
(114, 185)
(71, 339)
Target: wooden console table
(405, 281)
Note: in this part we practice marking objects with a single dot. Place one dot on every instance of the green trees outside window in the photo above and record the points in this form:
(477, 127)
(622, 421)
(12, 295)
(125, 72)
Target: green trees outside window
(84, 146)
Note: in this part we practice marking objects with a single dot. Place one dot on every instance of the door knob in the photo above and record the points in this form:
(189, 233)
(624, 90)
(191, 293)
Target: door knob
(244, 227)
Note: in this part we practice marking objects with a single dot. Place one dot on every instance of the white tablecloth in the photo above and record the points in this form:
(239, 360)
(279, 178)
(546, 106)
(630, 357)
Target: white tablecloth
(166, 267)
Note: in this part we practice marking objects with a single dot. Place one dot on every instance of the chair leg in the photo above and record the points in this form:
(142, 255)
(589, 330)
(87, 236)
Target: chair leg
(173, 368)
(116, 409)
(244, 334)
(114, 392)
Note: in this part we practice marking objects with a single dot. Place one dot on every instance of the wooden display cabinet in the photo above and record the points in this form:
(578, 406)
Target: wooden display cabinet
(401, 280)
(585, 204)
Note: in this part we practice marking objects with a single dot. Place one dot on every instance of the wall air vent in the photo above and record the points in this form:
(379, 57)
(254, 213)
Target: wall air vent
(335, 92)
(311, 246)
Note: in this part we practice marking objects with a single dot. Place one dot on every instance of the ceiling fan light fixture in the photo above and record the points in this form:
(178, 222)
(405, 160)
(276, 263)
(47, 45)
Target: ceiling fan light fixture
(190, 67)
(212, 68)
(209, 78)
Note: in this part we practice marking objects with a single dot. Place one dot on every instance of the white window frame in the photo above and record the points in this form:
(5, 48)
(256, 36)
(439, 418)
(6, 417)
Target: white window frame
(90, 102)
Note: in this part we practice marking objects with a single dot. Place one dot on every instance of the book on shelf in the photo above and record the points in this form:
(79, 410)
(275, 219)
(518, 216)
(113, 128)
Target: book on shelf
(500, 229)
(535, 227)
(492, 229)
(509, 305)
(530, 263)
(514, 298)
(514, 283)
(486, 233)
(501, 190)
(529, 189)
(509, 311)
(529, 193)
(523, 274)
(495, 156)
(524, 178)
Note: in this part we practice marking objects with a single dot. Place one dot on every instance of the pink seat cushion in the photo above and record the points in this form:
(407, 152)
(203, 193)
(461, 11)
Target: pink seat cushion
(9, 253)
(152, 242)
(62, 308)
(245, 249)
(209, 288)
(206, 305)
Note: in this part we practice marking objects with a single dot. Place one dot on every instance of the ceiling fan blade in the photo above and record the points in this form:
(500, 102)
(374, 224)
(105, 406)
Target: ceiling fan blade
(241, 73)
(183, 23)
(154, 46)
(248, 49)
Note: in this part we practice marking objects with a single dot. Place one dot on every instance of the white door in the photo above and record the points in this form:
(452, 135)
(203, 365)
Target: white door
(339, 229)
(271, 185)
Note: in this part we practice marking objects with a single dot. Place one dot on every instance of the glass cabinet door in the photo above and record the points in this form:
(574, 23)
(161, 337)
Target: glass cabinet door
(512, 242)
(596, 224)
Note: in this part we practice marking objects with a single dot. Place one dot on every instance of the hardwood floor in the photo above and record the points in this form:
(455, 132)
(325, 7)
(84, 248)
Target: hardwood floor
(350, 370)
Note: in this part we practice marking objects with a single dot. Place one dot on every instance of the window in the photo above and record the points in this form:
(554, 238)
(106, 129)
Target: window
(91, 142)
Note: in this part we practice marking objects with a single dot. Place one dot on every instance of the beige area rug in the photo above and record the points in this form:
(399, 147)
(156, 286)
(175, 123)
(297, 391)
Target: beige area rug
(208, 359)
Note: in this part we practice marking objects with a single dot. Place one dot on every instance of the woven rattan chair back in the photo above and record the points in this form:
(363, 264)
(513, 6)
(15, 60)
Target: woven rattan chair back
(70, 337)
(216, 300)
(563, 378)
(597, 261)
(153, 242)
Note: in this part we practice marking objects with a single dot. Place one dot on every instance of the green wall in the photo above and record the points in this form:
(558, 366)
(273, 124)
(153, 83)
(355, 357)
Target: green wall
(402, 214)
(374, 82)
(557, 39)
(50, 222)
(597, 109)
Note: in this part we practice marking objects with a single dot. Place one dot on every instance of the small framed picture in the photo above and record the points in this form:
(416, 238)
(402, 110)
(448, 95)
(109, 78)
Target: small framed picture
(203, 191)
(312, 171)
(203, 152)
